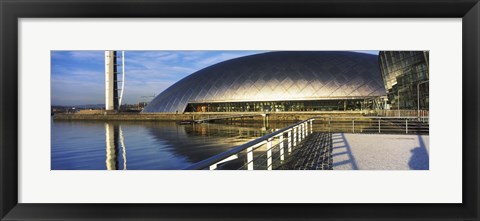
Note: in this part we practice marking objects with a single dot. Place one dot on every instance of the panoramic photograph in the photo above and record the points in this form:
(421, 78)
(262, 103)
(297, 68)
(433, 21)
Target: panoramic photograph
(239, 110)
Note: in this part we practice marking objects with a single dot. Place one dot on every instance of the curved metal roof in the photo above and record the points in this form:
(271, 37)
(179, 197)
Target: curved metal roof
(277, 76)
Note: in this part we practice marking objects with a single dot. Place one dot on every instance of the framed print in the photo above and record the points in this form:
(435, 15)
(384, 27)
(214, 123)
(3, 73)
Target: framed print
(301, 109)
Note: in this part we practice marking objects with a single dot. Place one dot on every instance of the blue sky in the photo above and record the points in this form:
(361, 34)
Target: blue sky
(77, 77)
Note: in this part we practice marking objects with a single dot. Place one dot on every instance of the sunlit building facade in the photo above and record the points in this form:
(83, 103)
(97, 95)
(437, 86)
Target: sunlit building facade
(277, 82)
(406, 75)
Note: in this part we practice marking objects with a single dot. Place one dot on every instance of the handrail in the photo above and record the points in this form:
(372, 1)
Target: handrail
(228, 117)
(373, 124)
(221, 156)
(213, 161)
(372, 117)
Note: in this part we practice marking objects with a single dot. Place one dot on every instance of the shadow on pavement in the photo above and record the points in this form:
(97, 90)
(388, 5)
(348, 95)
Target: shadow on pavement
(340, 138)
(419, 159)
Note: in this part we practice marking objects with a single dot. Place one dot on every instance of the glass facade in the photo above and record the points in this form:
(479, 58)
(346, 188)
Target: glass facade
(278, 106)
(405, 75)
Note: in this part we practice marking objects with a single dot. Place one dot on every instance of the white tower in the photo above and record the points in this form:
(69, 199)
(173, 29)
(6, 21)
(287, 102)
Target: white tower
(113, 99)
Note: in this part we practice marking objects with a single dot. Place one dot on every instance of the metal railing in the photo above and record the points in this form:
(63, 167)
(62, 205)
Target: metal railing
(285, 140)
(291, 135)
(396, 113)
(407, 125)
(210, 118)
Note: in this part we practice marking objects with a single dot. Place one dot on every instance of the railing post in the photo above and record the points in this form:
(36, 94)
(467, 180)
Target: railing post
(300, 133)
(295, 136)
(306, 128)
(303, 131)
(299, 136)
(406, 126)
(249, 158)
(289, 141)
(269, 154)
(379, 125)
(281, 148)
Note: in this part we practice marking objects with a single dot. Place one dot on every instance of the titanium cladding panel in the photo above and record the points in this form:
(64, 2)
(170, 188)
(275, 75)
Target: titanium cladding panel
(277, 76)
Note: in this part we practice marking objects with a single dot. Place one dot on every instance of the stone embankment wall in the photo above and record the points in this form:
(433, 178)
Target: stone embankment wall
(290, 116)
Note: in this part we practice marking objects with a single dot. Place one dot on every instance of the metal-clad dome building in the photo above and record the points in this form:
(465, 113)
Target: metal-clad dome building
(277, 81)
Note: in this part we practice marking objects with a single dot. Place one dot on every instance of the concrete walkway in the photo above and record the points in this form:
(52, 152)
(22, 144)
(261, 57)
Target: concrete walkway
(346, 151)
(380, 152)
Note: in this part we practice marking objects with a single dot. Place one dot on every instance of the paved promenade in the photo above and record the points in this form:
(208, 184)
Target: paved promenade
(380, 152)
(346, 151)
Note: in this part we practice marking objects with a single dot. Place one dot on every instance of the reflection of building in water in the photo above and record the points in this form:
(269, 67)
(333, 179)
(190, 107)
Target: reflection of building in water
(114, 135)
(197, 142)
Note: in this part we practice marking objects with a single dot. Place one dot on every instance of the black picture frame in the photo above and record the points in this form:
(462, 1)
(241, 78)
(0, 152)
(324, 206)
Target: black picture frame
(11, 11)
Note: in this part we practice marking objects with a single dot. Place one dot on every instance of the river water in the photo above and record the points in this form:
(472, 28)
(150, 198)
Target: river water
(119, 145)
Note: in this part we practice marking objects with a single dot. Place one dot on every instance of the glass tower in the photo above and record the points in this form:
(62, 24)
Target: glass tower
(405, 75)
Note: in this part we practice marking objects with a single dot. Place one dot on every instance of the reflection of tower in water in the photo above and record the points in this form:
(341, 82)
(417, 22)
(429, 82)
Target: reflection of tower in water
(114, 135)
